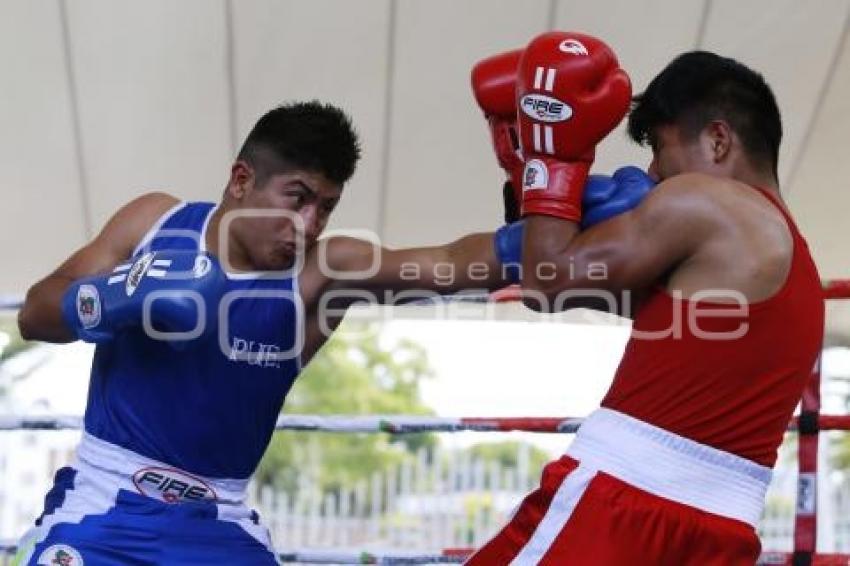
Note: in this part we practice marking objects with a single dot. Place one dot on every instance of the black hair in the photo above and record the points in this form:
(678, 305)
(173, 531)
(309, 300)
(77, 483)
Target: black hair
(312, 136)
(698, 87)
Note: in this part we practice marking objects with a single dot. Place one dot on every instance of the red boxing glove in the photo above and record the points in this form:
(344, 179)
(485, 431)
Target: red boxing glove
(571, 93)
(494, 86)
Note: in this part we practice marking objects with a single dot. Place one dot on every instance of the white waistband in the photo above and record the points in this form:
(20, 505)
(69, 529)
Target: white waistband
(124, 469)
(671, 466)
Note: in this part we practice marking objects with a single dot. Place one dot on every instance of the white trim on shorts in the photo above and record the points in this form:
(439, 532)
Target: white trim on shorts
(657, 461)
(116, 466)
(102, 469)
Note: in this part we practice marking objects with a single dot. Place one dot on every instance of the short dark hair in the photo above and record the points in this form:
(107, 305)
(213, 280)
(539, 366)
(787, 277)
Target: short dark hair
(698, 87)
(313, 136)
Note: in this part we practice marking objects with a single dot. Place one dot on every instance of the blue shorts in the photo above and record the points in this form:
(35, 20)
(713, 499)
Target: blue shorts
(90, 519)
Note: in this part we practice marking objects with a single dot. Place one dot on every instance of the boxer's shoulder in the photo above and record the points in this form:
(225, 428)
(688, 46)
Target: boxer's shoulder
(689, 185)
(334, 257)
(118, 237)
(147, 208)
(722, 191)
(700, 196)
(128, 225)
(685, 198)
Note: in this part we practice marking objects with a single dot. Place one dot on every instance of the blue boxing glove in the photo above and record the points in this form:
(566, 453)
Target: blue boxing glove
(166, 291)
(606, 197)
(507, 241)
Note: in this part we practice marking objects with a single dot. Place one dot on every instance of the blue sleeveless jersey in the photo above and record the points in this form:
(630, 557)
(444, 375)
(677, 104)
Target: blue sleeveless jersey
(204, 409)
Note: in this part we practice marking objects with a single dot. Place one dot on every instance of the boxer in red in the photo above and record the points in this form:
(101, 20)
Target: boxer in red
(726, 300)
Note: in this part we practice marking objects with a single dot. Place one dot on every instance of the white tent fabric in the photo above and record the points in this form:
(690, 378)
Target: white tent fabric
(102, 100)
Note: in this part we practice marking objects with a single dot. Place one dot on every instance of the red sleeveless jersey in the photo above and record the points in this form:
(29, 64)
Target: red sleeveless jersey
(737, 393)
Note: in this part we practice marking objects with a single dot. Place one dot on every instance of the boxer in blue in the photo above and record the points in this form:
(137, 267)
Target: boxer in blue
(203, 315)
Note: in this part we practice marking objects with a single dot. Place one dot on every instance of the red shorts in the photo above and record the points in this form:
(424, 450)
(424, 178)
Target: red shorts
(585, 513)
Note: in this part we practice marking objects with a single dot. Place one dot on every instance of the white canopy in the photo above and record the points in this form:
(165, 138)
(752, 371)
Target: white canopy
(102, 100)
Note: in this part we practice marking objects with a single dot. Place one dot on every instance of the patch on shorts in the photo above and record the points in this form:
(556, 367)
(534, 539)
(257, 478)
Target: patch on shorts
(170, 485)
(60, 555)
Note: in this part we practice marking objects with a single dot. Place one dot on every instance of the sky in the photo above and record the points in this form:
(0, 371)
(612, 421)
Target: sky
(513, 369)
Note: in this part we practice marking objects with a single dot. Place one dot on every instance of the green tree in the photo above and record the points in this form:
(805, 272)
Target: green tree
(11, 342)
(840, 442)
(506, 453)
(351, 374)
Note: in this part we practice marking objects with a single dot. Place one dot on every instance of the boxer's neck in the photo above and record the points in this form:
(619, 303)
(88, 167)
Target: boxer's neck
(237, 256)
(756, 178)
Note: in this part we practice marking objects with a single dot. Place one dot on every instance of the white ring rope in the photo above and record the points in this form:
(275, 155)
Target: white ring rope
(392, 424)
(11, 302)
(396, 424)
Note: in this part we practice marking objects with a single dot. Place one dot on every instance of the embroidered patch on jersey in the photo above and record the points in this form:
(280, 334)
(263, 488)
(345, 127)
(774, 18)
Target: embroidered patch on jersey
(88, 306)
(202, 266)
(137, 272)
(60, 555)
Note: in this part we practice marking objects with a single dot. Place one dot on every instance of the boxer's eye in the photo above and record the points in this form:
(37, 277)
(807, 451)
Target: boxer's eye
(301, 193)
(299, 196)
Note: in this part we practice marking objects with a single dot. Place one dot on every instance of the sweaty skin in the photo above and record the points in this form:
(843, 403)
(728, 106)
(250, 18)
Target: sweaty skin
(702, 228)
(269, 242)
(40, 318)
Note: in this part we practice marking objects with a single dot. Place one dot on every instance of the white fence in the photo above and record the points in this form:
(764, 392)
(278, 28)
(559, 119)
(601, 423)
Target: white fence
(435, 502)
(446, 499)
(426, 502)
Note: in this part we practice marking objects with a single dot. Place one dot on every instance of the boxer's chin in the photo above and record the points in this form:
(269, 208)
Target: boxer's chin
(279, 260)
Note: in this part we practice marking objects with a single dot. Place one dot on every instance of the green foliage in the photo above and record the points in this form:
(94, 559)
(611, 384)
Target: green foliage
(507, 453)
(840, 447)
(841, 453)
(351, 374)
(11, 342)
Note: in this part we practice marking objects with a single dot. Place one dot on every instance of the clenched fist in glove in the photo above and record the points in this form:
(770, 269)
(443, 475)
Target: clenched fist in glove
(494, 87)
(571, 92)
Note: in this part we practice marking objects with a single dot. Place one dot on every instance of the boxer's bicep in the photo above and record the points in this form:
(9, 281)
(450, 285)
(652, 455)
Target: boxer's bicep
(40, 317)
(118, 237)
(637, 249)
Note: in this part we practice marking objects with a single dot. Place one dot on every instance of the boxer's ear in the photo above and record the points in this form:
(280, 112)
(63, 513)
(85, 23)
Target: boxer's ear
(717, 140)
(241, 179)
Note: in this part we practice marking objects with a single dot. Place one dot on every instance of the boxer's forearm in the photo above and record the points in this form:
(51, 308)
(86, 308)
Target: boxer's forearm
(40, 318)
(558, 275)
(467, 263)
(545, 261)
(475, 262)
